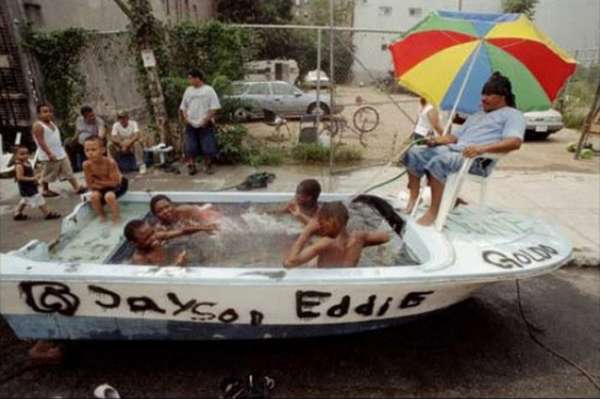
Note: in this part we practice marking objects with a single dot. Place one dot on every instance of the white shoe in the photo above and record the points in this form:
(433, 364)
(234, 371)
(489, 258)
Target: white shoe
(143, 169)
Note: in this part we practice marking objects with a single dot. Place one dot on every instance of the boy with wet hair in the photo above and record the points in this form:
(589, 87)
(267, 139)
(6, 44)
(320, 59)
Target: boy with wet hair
(103, 179)
(149, 243)
(337, 247)
(305, 204)
(169, 214)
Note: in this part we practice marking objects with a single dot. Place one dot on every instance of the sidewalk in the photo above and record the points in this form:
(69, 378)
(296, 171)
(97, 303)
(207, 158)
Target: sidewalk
(570, 200)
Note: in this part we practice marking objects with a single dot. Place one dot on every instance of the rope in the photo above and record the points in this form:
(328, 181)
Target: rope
(530, 329)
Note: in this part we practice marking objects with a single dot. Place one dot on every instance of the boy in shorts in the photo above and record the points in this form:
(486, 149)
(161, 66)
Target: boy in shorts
(103, 179)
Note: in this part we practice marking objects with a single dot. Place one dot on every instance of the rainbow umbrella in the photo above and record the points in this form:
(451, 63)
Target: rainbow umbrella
(450, 55)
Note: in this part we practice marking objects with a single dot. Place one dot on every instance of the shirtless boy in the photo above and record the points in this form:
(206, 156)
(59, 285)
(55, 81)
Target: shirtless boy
(103, 179)
(149, 243)
(305, 204)
(337, 247)
(170, 214)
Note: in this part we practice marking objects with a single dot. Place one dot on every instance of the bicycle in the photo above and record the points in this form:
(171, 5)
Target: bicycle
(365, 119)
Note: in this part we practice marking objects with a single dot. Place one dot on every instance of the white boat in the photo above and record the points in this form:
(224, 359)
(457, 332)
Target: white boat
(45, 296)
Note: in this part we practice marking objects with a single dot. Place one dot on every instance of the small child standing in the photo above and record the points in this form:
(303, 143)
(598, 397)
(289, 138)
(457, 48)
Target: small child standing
(103, 179)
(28, 187)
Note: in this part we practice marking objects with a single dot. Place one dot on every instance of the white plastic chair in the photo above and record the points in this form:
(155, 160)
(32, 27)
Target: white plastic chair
(454, 184)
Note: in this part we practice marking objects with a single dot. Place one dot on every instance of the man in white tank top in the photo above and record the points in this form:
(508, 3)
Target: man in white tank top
(52, 155)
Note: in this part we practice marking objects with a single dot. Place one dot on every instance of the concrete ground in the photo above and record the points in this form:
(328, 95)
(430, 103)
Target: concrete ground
(477, 348)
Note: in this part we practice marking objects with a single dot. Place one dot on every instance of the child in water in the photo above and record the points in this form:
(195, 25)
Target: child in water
(337, 247)
(149, 243)
(170, 215)
(305, 204)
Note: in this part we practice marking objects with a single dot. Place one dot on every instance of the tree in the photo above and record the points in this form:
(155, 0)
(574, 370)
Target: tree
(255, 11)
(148, 34)
(526, 7)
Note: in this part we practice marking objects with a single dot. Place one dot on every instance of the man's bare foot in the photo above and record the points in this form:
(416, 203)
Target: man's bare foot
(427, 219)
(45, 352)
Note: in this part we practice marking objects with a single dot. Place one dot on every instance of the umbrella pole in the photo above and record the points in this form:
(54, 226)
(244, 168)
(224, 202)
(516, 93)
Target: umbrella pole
(462, 88)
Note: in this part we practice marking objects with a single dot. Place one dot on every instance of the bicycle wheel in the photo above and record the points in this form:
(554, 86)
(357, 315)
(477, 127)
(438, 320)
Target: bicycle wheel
(365, 119)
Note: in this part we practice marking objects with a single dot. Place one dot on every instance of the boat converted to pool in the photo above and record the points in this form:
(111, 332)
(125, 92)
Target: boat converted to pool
(77, 288)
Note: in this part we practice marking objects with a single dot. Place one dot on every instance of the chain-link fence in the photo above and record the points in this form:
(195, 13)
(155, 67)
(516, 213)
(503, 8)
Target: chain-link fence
(271, 77)
(578, 94)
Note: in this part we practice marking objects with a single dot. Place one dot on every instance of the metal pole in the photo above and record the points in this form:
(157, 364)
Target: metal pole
(462, 88)
(460, 5)
(318, 109)
(331, 83)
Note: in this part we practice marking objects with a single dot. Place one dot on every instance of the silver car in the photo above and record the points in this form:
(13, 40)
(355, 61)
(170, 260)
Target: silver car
(257, 99)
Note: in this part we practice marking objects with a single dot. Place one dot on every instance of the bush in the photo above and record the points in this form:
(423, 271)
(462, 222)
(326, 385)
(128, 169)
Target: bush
(230, 142)
(574, 118)
(349, 153)
(266, 156)
(312, 152)
(315, 152)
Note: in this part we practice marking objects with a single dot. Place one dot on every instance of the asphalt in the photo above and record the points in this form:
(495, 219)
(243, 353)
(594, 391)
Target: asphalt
(477, 348)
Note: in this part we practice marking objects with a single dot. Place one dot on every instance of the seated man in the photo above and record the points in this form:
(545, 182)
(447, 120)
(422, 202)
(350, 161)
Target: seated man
(499, 128)
(126, 138)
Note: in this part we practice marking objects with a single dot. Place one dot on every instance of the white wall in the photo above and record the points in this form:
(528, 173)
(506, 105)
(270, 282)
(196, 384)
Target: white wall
(572, 24)
(105, 15)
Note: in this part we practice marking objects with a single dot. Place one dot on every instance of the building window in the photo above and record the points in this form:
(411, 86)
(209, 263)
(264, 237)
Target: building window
(415, 11)
(385, 11)
(33, 13)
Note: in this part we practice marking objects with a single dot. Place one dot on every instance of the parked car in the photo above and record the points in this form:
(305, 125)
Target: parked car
(258, 99)
(541, 124)
(310, 80)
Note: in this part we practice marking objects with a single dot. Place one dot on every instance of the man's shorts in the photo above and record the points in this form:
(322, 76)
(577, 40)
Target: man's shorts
(35, 201)
(119, 190)
(53, 170)
(201, 140)
(441, 161)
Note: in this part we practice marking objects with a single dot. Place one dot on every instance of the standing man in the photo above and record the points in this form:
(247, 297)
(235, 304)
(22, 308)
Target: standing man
(53, 157)
(86, 125)
(198, 108)
(127, 138)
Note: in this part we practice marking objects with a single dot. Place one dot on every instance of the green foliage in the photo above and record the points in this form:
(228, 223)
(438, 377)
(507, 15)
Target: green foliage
(574, 118)
(576, 100)
(213, 47)
(260, 155)
(58, 54)
(255, 11)
(526, 7)
(173, 88)
(348, 153)
(230, 141)
(315, 152)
